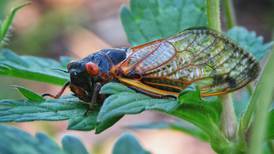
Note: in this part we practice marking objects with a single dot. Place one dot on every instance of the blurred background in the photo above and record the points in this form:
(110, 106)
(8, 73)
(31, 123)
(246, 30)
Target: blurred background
(53, 28)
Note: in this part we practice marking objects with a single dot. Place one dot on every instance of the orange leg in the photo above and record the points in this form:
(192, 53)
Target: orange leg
(59, 93)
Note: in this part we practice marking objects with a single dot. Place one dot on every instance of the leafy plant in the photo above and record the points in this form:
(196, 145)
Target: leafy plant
(145, 21)
(127, 143)
(19, 141)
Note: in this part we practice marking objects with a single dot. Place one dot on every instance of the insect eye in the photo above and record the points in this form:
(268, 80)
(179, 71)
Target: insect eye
(74, 74)
(92, 68)
(71, 64)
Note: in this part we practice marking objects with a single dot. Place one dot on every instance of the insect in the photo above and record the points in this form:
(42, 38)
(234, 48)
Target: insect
(165, 67)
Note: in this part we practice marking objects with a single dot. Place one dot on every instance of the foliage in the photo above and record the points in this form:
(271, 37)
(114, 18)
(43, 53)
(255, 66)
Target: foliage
(6, 24)
(249, 41)
(142, 22)
(33, 68)
(16, 141)
(30, 95)
(150, 20)
(64, 108)
(128, 144)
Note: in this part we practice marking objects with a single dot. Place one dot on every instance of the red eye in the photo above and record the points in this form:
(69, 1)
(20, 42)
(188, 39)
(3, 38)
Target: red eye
(92, 69)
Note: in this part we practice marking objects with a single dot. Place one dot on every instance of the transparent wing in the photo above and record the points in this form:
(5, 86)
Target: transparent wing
(209, 60)
(144, 58)
(196, 56)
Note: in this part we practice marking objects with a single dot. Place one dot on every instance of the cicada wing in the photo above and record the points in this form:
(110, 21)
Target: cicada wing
(207, 59)
(144, 58)
(197, 56)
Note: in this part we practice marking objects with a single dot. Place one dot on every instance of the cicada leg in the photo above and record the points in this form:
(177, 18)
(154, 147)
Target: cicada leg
(59, 94)
(94, 98)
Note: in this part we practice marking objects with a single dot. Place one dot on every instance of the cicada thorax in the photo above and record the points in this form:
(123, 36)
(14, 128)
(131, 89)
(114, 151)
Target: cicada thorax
(90, 73)
(197, 56)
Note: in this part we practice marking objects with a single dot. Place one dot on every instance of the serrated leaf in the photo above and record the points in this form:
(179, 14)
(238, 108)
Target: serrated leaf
(32, 68)
(68, 107)
(30, 95)
(150, 20)
(119, 104)
(73, 145)
(250, 41)
(101, 126)
(50, 145)
(205, 114)
(82, 122)
(190, 98)
(182, 126)
(6, 24)
(126, 101)
(128, 144)
(19, 141)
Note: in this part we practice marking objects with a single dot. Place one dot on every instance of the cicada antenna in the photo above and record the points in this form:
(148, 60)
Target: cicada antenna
(59, 93)
(58, 69)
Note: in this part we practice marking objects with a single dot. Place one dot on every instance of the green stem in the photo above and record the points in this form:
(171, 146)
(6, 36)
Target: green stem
(213, 12)
(260, 102)
(229, 13)
(229, 122)
(271, 145)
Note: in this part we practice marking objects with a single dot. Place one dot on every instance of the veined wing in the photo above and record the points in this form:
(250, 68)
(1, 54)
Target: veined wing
(201, 56)
(147, 57)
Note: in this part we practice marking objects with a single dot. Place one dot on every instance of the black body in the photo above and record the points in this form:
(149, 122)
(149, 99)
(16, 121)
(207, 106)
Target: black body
(82, 83)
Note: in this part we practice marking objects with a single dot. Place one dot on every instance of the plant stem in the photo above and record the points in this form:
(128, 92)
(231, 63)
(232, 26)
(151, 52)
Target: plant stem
(229, 123)
(230, 13)
(260, 102)
(213, 12)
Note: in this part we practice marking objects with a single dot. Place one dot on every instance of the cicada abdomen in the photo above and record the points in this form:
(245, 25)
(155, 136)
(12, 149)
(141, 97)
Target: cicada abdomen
(196, 56)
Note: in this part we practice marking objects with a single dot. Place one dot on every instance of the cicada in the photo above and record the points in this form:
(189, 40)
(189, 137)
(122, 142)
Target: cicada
(167, 66)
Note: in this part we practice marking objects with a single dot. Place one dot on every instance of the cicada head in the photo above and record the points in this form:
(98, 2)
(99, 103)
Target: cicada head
(86, 73)
(80, 81)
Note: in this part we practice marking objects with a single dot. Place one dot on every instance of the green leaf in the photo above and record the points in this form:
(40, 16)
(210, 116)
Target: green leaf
(129, 102)
(19, 141)
(203, 113)
(6, 24)
(128, 144)
(30, 95)
(82, 122)
(182, 126)
(68, 107)
(250, 41)
(73, 145)
(208, 110)
(150, 20)
(190, 94)
(270, 128)
(101, 126)
(113, 88)
(32, 68)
